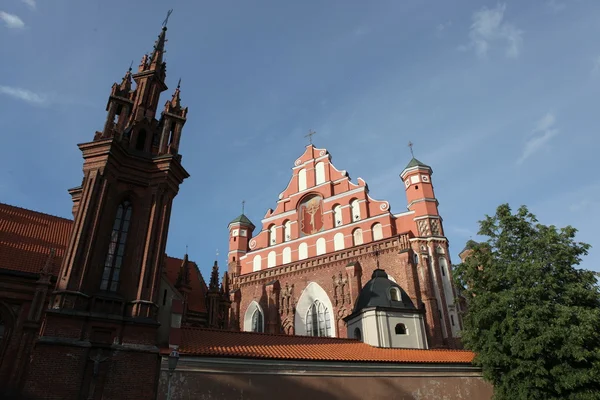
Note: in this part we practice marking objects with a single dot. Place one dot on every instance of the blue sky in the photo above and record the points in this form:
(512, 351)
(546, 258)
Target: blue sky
(501, 99)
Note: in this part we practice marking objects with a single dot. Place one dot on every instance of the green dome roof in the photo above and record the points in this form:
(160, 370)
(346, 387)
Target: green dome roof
(242, 219)
(416, 163)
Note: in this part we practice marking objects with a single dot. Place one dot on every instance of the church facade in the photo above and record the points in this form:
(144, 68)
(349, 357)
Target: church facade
(301, 271)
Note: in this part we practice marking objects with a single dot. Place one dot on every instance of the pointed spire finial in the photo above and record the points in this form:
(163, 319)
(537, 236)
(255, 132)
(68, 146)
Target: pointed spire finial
(410, 144)
(179, 83)
(186, 249)
(131, 66)
(243, 203)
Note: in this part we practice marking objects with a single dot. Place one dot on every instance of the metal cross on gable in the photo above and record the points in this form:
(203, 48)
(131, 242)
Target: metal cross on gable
(310, 135)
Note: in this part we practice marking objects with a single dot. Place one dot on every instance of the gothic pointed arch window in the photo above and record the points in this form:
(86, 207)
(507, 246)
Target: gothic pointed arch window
(318, 320)
(257, 321)
(116, 248)
(254, 319)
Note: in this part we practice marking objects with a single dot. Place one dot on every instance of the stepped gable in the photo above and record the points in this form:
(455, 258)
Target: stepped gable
(320, 177)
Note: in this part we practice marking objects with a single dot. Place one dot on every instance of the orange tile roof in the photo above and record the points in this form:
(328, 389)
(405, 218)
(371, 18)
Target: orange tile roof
(197, 298)
(27, 236)
(217, 343)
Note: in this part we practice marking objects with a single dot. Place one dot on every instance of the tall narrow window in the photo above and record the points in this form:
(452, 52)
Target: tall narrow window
(377, 231)
(355, 208)
(338, 241)
(443, 266)
(140, 142)
(318, 321)
(257, 263)
(302, 251)
(302, 180)
(116, 248)
(321, 246)
(287, 255)
(357, 237)
(287, 231)
(337, 216)
(320, 173)
(357, 334)
(271, 259)
(272, 235)
(257, 321)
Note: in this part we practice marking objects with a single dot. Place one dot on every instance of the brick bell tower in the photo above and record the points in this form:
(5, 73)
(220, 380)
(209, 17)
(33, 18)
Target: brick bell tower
(431, 256)
(99, 336)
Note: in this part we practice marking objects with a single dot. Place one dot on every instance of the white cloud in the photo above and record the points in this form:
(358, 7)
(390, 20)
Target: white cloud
(489, 27)
(24, 94)
(30, 3)
(12, 21)
(544, 131)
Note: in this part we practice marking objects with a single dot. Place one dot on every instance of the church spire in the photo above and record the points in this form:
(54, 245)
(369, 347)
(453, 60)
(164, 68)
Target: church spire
(156, 58)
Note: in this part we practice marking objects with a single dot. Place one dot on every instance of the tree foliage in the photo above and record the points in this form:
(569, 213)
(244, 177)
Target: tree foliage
(533, 318)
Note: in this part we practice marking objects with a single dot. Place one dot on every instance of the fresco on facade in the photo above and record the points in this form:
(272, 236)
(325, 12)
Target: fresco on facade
(310, 216)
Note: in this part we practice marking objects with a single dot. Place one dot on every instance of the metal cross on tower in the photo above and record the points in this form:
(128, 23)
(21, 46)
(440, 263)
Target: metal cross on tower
(164, 24)
(410, 144)
(243, 203)
(310, 135)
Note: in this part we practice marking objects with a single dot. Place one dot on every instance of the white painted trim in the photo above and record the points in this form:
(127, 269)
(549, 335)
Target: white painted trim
(426, 216)
(416, 168)
(341, 195)
(311, 159)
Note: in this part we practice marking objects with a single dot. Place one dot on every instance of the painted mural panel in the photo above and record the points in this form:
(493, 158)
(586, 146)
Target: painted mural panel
(310, 216)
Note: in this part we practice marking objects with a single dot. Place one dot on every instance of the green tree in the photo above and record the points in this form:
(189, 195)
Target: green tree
(533, 318)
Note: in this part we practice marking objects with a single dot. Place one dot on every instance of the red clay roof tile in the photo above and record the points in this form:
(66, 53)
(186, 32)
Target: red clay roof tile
(27, 236)
(217, 343)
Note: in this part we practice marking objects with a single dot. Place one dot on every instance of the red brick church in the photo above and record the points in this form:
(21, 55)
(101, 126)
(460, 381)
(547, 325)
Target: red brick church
(314, 252)
(93, 307)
